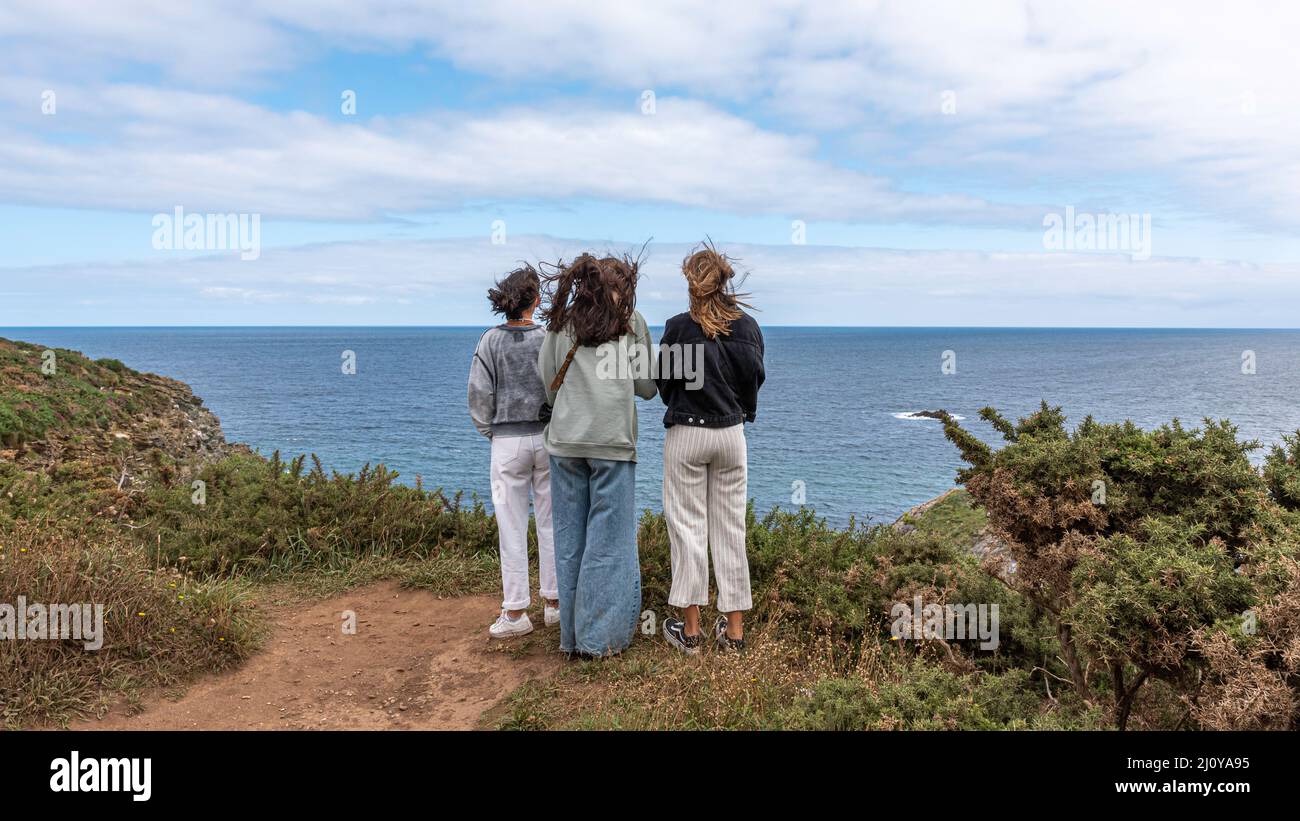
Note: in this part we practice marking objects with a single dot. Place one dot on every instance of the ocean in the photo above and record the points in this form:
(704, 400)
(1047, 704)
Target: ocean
(832, 424)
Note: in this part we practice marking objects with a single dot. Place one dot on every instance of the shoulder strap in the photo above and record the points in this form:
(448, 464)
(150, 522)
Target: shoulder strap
(564, 369)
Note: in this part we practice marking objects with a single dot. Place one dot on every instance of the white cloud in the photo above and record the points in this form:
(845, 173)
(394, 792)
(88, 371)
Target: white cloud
(1193, 104)
(201, 42)
(215, 153)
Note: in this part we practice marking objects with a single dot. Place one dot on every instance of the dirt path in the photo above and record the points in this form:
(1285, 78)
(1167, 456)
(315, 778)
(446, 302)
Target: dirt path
(415, 662)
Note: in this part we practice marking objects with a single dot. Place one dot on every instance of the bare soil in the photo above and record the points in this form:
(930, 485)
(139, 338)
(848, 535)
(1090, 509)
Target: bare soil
(416, 662)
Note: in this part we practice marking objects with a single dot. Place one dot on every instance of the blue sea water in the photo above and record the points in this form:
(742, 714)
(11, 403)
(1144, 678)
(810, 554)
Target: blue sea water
(828, 414)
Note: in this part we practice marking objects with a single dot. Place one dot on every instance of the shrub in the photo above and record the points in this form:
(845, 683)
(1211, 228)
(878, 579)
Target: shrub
(923, 696)
(259, 512)
(1132, 541)
(817, 581)
(1282, 472)
(1254, 666)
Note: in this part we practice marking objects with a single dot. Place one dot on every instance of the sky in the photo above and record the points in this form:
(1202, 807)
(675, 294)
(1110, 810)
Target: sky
(866, 163)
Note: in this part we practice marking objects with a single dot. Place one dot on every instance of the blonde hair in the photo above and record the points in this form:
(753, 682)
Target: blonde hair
(714, 301)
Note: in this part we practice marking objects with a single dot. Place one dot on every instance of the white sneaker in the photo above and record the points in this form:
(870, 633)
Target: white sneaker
(507, 628)
(551, 615)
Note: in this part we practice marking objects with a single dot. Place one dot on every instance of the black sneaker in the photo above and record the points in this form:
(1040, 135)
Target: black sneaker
(674, 631)
(720, 636)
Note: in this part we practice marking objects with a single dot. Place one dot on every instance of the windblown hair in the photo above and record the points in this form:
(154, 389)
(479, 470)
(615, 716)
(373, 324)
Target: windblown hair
(593, 298)
(516, 292)
(710, 281)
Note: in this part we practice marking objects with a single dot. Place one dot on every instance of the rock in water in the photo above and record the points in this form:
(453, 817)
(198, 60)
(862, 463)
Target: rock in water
(932, 414)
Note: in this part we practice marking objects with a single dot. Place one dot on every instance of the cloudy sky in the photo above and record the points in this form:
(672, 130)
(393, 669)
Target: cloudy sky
(868, 163)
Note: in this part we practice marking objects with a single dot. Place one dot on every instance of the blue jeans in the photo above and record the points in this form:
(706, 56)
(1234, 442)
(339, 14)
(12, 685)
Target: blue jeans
(593, 507)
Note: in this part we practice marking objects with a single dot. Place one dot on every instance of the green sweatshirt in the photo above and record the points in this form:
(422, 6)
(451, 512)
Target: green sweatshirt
(594, 412)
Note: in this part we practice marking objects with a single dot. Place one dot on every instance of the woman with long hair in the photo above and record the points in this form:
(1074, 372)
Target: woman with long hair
(595, 361)
(705, 460)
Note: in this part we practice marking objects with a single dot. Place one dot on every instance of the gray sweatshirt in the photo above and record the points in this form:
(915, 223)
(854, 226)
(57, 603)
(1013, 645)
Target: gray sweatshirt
(506, 396)
(595, 412)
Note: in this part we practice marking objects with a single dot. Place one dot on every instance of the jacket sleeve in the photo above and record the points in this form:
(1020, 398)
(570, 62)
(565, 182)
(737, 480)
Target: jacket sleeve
(644, 386)
(482, 391)
(547, 365)
(748, 394)
(664, 365)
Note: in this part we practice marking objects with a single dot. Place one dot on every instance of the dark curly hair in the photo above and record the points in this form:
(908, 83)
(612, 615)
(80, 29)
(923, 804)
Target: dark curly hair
(593, 298)
(516, 292)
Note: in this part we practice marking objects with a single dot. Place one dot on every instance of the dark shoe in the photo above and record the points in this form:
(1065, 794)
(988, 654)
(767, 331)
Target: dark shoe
(674, 632)
(583, 655)
(723, 641)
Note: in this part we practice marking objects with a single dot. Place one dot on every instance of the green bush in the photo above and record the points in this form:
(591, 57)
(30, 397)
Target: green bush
(1282, 472)
(921, 696)
(1132, 541)
(816, 581)
(257, 512)
(1143, 599)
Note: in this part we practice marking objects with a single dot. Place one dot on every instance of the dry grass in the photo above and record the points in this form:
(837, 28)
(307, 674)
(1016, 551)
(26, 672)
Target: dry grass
(655, 687)
(160, 625)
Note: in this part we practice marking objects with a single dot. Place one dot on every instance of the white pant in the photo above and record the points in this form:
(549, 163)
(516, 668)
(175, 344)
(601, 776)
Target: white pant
(705, 487)
(519, 462)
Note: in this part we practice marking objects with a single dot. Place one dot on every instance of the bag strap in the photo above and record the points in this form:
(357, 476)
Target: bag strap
(564, 369)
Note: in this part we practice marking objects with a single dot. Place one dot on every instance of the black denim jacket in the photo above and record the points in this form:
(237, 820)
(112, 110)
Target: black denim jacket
(711, 383)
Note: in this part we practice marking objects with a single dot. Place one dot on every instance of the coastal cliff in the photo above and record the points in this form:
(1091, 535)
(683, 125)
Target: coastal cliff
(60, 406)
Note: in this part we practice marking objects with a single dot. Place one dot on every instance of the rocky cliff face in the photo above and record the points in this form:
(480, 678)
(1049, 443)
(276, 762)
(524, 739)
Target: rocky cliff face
(58, 406)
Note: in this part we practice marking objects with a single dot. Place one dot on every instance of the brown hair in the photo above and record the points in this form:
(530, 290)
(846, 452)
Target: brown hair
(714, 301)
(516, 292)
(593, 298)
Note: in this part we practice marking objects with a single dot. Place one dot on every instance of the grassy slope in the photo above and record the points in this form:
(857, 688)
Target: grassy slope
(60, 396)
(31, 402)
(954, 519)
(79, 444)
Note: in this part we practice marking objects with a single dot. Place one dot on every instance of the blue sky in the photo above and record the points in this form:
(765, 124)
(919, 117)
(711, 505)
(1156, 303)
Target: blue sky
(869, 163)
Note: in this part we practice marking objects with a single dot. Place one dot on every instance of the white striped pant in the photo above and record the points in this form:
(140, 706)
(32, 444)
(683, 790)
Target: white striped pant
(705, 492)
